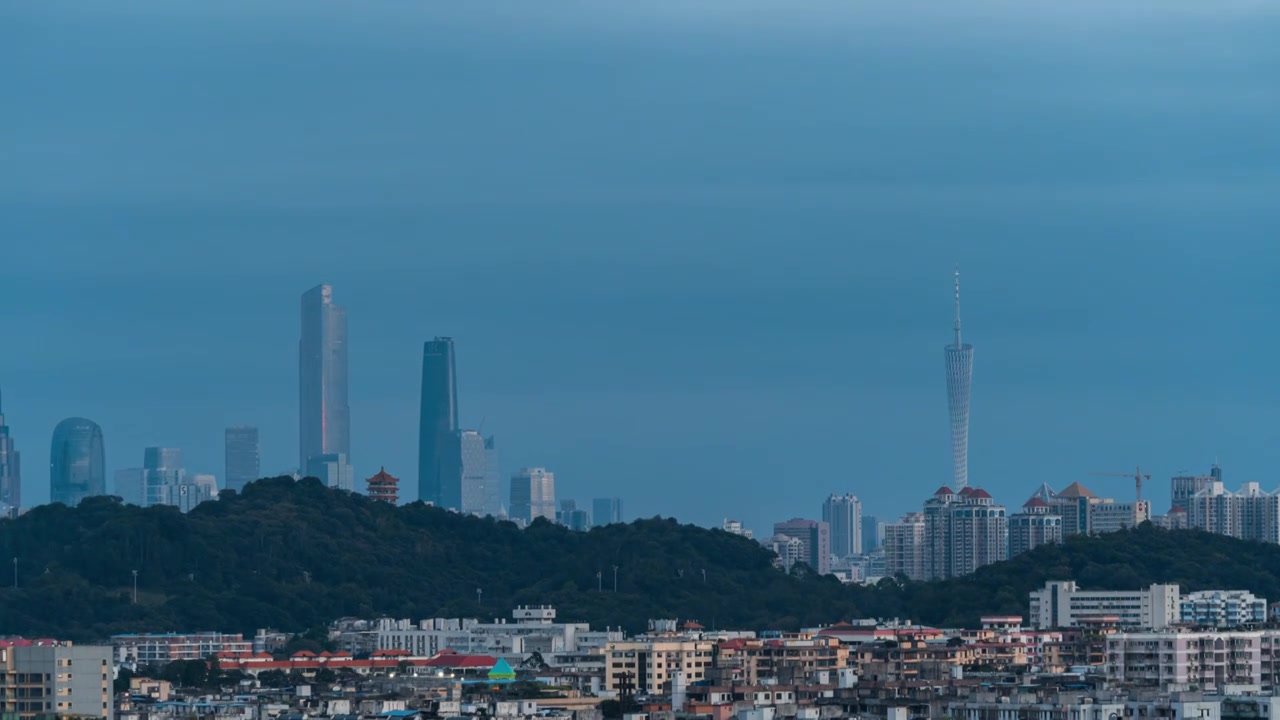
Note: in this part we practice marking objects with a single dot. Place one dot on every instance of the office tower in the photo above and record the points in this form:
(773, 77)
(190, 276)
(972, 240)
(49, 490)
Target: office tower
(127, 484)
(384, 487)
(815, 539)
(1036, 525)
(332, 469)
(872, 533)
(492, 483)
(606, 511)
(1184, 487)
(904, 543)
(959, 376)
(438, 424)
(964, 531)
(843, 513)
(473, 474)
(573, 517)
(10, 470)
(324, 418)
(77, 462)
(161, 469)
(533, 495)
(241, 452)
(1073, 504)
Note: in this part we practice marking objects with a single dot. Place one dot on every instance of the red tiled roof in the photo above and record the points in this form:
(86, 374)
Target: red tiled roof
(1035, 502)
(944, 490)
(979, 493)
(455, 660)
(965, 491)
(691, 625)
(393, 653)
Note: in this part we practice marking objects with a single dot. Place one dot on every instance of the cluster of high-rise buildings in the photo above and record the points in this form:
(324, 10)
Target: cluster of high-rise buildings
(458, 468)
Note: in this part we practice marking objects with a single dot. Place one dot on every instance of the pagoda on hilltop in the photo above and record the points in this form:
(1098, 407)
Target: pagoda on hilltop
(384, 487)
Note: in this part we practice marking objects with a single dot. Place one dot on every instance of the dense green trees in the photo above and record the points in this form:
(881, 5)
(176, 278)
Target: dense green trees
(297, 555)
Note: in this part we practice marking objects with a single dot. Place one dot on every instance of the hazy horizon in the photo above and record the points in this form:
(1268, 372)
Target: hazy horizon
(697, 256)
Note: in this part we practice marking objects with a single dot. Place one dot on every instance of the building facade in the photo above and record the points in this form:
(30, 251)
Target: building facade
(959, 364)
(77, 462)
(1111, 516)
(815, 541)
(473, 473)
(241, 456)
(44, 678)
(1062, 604)
(646, 665)
(533, 495)
(324, 416)
(10, 472)
(843, 513)
(438, 425)
(1184, 487)
(158, 649)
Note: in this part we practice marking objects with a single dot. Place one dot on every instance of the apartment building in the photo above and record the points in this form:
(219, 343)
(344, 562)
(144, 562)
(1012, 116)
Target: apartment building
(1223, 609)
(645, 665)
(1062, 604)
(45, 677)
(163, 648)
(1250, 513)
(1171, 661)
(786, 660)
(1111, 516)
(904, 547)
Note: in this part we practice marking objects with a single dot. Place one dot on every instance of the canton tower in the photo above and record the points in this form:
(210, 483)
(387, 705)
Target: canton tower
(959, 379)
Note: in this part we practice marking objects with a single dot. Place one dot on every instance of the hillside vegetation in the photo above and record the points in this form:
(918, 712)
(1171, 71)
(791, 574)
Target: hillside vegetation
(294, 555)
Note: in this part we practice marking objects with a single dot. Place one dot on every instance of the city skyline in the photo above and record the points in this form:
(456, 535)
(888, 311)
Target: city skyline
(613, 270)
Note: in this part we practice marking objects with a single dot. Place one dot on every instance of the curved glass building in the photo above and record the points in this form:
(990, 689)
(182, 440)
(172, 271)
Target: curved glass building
(77, 466)
(959, 377)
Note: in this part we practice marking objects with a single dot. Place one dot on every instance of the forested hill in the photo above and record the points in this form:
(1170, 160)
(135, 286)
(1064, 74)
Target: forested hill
(294, 555)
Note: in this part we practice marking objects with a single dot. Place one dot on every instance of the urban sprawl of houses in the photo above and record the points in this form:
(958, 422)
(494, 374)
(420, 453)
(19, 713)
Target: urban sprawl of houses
(1078, 654)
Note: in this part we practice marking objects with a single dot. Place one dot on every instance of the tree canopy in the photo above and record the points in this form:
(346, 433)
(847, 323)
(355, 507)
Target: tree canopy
(296, 555)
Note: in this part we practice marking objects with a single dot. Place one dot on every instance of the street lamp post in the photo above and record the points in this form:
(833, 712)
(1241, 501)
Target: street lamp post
(135, 587)
(615, 578)
(15, 572)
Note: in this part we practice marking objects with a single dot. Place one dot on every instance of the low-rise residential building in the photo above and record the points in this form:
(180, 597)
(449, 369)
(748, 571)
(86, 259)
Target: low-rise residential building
(646, 664)
(1062, 604)
(786, 659)
(42, 678)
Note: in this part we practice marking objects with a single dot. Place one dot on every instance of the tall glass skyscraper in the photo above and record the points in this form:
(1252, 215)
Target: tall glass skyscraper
(959, 376)
(438, 427)
(241, 452)
(324, 418)
(474, 474)
(843, 513)
(77, 462)
(10, 470)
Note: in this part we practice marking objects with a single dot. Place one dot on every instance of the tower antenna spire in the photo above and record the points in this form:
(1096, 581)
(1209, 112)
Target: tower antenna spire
(958, 306)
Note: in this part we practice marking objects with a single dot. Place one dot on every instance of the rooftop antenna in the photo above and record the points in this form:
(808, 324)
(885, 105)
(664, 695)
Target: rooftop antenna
(958, 307)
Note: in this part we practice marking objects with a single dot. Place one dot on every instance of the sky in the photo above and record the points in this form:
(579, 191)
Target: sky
(696, 255)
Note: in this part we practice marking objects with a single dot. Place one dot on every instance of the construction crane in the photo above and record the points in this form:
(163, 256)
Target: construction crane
(1137, 475)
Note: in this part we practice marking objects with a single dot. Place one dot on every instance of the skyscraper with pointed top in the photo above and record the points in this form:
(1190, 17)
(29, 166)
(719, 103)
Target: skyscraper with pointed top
(10, 469)
(959, 378)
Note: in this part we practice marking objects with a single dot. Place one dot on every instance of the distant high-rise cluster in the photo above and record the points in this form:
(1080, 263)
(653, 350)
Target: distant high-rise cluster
(324, 417)
(10, 472)
(813, 538)
(77, 462)
(533, 495)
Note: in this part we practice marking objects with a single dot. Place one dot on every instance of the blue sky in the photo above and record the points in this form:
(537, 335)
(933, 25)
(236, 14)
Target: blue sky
(694, 254)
